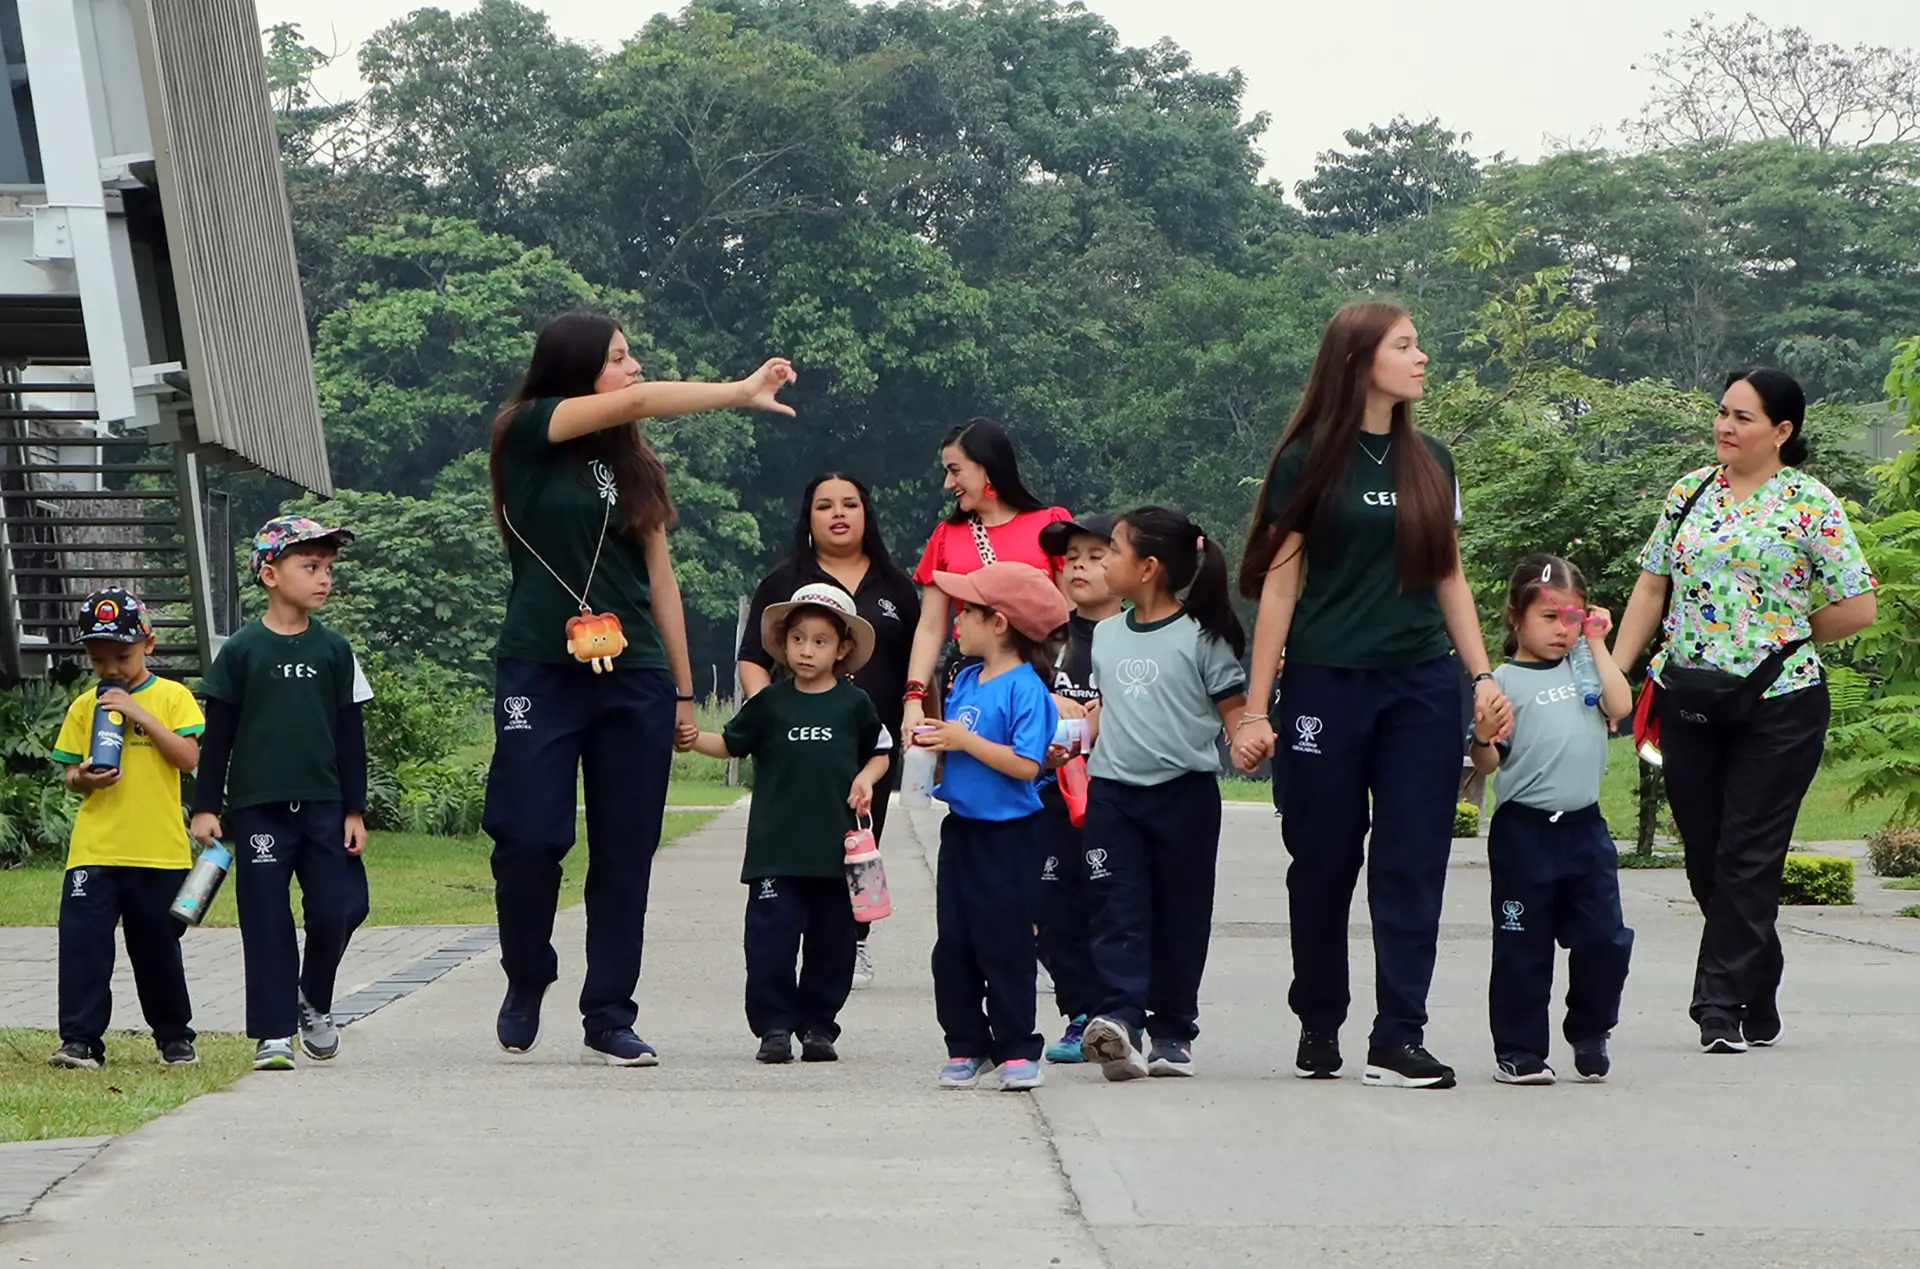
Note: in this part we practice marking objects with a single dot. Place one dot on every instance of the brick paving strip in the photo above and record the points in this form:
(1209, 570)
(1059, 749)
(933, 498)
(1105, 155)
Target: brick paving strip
(384, 962)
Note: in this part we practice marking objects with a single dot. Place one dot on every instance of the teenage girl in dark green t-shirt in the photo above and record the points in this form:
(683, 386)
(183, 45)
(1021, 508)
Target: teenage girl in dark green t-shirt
(1355, 563)
(592, 678)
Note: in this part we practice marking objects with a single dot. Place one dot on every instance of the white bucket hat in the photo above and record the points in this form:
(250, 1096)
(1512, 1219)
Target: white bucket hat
(818, 595)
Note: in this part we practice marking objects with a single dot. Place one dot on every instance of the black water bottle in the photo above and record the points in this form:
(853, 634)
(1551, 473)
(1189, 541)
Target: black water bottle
(109, 731)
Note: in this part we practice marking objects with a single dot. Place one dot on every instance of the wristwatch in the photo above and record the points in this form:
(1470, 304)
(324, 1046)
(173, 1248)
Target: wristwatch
(1484, 674)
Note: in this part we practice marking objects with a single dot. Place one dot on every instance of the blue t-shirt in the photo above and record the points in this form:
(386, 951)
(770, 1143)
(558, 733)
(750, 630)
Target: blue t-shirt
(1013, 709)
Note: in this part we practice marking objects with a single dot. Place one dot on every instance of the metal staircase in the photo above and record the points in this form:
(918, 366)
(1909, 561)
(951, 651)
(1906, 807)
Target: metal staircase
(82, 506)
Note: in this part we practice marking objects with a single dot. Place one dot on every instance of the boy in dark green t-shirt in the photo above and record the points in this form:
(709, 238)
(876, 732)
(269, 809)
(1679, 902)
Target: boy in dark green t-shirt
(812, 736)
(285, 757)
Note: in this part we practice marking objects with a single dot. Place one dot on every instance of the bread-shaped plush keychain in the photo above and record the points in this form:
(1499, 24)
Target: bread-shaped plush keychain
(596, 639)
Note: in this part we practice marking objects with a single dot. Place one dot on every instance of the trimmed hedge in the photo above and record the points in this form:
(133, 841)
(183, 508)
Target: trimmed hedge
(1894, 851)
(1823, 880)
(1466, 820)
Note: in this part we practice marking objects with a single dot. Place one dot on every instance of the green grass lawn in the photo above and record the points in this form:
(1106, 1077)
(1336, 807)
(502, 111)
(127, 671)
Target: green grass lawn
(40, 1103)
(1824, 816)
(1901, 883)
(413, 880)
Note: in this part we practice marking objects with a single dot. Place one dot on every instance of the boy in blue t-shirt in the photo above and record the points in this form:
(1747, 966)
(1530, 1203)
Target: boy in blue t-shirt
(1000, 718)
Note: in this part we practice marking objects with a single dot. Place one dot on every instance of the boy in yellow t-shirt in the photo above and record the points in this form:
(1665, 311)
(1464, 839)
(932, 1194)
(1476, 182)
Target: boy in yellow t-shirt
(129, 852)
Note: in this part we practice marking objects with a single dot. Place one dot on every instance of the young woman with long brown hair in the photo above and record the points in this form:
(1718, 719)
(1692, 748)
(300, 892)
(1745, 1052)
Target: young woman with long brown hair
(592, 672)
(1355, 563)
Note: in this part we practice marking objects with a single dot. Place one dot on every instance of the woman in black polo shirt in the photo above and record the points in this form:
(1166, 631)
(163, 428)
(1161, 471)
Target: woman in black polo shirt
(1354, 560)
(592, 672)
(837, 539)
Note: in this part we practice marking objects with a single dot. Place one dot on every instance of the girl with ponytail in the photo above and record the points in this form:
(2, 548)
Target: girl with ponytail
(1169, 677)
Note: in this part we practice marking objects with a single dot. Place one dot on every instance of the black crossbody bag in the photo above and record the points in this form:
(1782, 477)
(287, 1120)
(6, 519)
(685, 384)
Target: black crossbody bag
(1715, 698)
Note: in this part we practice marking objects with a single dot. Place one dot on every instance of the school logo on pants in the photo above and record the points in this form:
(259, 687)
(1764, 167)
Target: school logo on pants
(1097, 864)
(1307, 729)
(1052, 869)
(766, 889)
(79, 876)
(517, 708)
(262, 844)
(1511, 910)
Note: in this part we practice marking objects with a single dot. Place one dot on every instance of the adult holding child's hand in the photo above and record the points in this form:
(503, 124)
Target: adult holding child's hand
(1355, 563)
(593, 677)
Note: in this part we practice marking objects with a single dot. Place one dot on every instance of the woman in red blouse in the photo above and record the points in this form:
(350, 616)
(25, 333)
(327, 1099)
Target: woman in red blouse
(994, 518)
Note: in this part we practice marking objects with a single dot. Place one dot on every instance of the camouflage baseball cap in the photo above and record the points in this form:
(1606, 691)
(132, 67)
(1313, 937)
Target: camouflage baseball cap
(279, 535)
(114, 615)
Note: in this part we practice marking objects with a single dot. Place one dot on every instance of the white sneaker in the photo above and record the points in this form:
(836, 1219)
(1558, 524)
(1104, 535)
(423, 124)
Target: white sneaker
(862, 966)
(319, 1038)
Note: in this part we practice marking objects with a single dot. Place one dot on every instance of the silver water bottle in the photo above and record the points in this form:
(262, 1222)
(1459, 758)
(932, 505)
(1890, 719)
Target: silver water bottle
(202, 884)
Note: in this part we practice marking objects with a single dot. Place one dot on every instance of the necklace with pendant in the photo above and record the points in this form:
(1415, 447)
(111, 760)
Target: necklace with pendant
(1381, 459)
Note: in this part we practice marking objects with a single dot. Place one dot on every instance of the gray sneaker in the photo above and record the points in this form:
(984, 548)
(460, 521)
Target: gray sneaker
(273, 1055)
(319, 1038)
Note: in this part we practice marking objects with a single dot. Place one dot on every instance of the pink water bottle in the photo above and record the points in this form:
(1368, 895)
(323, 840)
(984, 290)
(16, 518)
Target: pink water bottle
(866, 878)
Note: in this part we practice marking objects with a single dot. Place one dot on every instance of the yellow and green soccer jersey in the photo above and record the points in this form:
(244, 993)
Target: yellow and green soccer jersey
(138, 822)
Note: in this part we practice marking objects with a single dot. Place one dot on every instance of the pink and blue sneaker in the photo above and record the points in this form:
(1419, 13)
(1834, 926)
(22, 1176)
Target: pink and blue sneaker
(964, 1072)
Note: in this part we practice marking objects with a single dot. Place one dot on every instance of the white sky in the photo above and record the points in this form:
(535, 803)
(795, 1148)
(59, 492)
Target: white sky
(1512, 72)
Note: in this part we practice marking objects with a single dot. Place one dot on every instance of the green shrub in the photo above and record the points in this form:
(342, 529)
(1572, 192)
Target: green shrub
(420, 712)
(36, 811)
(1894, 851)
(441, 799)
(1823, 880)
(1466, 820)
(1912, 910)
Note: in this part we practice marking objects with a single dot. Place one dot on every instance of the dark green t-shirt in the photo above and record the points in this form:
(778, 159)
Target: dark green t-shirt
(558, 507)
(288, 691)
(807, 747)
(1353, 614)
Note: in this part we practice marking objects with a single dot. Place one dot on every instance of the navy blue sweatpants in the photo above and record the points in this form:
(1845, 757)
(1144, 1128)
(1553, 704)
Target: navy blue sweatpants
(988, 884)
(1151, 856)
(1556, 878)
(808, 920)
(551, 724)
(1066, 911)
(1347, 736)
(272, 845)
(96, 898)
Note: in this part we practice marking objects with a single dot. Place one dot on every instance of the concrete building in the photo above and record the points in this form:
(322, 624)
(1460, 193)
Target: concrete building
(150, 315)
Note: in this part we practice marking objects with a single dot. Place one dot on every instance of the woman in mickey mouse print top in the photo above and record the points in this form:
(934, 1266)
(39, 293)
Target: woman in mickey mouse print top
(592, 669)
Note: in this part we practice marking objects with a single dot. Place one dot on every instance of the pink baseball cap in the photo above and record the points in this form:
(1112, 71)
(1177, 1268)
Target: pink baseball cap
(1032, 603)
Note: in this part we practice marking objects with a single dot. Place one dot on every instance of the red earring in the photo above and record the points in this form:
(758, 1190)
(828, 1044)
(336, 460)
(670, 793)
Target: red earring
(988, 491)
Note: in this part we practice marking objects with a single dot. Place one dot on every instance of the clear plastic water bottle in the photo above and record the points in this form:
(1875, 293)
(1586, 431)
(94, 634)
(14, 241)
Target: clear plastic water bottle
(866, 876)
(1071, 735)
(916, 776)
(1586, 675)
(109, 731)
(202, 884)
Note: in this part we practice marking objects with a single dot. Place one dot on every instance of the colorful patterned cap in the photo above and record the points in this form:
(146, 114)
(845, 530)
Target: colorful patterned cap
(114, 615)
(279, 535)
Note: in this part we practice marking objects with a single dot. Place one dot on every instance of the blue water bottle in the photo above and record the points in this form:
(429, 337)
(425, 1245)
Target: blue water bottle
(1586, 675)
(109, 731)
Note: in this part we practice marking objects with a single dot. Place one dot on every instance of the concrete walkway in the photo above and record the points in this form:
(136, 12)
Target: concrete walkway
(425, 1146)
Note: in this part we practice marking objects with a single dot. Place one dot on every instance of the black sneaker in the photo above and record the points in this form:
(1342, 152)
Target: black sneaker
(1591, 1060)
(1721, 1035)
(1405, 1066)
(817, 1046)
(618, 1048)
(75, 1056)
(1523, 1068)
(178, 1053)
(1319, 1056)
(1762, 1025)
(1170, 1057)
(518, 1027)
(775, 1046)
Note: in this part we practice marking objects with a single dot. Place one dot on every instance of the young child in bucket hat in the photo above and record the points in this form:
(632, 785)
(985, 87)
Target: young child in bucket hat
(128, 852)
(818, 750)
(286, 762)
